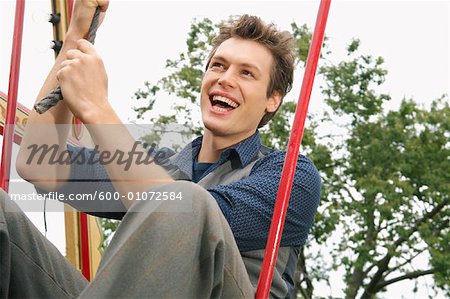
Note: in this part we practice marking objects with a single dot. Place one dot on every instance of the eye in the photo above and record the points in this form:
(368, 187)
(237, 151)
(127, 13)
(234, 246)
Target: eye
(247, 74)
(216, 65)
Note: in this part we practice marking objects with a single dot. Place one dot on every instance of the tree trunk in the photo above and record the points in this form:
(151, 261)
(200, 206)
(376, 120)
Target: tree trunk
(358, 275)
(355, 282)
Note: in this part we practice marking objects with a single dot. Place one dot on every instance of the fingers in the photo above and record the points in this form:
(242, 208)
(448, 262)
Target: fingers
(60, 74)
(83, 47)
(64, 67)
(82, 57)
(103, 5)
(65, 63)
(86, 47)
(83, 12)
(74, 54)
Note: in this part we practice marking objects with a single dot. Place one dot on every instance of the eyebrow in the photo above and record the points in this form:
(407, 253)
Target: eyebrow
(246, 65)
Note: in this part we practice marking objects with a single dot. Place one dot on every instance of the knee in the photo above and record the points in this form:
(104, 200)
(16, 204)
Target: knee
(200, 210)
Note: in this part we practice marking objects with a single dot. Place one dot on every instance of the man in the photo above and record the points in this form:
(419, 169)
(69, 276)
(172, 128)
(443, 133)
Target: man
(214, 248)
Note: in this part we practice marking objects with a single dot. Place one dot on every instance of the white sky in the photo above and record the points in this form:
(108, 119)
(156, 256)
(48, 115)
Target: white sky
(138, 36)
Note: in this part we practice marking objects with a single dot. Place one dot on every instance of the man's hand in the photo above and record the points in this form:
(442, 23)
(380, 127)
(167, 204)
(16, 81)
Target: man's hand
(84, 82)
(83, 12)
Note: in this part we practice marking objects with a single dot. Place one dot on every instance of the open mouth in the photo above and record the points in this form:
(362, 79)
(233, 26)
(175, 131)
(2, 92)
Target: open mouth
(222, 104)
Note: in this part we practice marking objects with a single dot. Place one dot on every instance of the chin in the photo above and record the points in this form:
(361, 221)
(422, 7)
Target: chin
(216, 129)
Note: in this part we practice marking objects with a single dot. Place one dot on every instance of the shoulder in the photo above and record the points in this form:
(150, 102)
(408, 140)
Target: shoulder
(275, 159)
(306, 174)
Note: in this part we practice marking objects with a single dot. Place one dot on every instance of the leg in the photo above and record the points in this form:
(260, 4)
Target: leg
(159, 253)
(30, 266)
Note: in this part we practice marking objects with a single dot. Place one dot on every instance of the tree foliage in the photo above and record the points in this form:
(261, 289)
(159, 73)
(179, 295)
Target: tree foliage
(384, 202)
(393, 182)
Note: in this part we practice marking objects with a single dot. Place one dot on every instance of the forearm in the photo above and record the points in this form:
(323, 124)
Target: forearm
(112, 137)
(50, 128)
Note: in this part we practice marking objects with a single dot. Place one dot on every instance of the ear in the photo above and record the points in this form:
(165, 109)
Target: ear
(273, 102)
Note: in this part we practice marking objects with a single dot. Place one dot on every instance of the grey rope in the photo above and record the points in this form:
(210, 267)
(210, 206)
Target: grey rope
(55, 95)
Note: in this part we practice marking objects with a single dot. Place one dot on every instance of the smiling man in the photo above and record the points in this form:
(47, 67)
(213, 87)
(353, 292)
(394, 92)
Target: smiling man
(234, 94)
(214, 247)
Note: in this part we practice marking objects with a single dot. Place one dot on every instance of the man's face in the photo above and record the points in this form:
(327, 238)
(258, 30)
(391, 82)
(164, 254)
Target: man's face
(234, 89)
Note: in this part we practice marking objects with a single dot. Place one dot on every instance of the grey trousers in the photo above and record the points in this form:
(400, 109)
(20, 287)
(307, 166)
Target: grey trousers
(157, 252)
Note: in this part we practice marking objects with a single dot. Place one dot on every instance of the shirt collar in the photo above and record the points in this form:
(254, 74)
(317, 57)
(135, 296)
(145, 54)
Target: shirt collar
(245, 151)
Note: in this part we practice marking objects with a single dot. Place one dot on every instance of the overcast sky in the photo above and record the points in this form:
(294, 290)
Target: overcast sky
(138, 36)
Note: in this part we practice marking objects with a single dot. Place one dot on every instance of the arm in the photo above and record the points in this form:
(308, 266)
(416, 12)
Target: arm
(52, 127)
(83, 81)
(84, 84)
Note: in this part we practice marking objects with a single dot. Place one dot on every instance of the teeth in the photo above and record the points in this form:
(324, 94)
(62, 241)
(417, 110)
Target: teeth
(225, 100)
(219, 109)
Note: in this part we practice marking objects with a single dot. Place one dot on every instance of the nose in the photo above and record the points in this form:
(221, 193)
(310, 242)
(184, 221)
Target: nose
(227, 79)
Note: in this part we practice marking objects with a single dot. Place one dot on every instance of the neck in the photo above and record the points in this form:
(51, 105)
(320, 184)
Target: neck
(213, 146)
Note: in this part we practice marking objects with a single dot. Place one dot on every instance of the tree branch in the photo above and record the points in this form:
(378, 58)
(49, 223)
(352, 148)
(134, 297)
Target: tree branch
(379, 227)
(390, 224)
(369, 269)
(358, 275)
(410, 275)
(419, 222)
(405, 262)
(383, 264)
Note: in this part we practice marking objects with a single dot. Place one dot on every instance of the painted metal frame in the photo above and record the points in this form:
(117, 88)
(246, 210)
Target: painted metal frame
(13, 87)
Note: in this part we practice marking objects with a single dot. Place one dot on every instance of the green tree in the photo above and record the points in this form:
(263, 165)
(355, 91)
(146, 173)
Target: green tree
(393, 187)
(385, 177)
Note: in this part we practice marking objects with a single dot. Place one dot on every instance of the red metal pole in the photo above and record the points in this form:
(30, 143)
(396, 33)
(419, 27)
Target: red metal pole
(13, 87)
(290, 163)
(85, 257)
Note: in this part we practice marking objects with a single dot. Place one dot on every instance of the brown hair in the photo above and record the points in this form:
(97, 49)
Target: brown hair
(279, 43)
